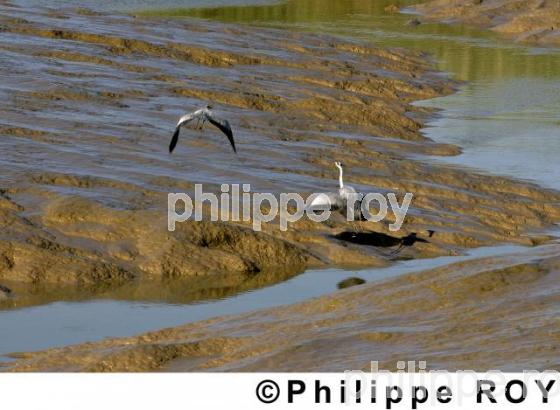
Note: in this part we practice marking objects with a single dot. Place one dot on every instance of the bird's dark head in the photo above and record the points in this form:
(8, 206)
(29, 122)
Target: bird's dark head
(209, 107)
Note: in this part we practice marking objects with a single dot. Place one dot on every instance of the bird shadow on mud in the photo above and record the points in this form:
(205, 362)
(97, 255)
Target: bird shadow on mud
(382, 240)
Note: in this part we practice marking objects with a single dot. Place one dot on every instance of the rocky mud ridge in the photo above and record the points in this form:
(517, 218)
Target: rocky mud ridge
(534, 21)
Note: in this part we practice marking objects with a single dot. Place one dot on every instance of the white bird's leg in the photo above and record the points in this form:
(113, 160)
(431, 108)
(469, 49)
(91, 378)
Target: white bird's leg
(202, 124)
(197, 123)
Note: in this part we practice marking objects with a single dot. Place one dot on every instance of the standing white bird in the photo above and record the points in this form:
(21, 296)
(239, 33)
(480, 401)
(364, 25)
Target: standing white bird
(202, 115)
(339, 201)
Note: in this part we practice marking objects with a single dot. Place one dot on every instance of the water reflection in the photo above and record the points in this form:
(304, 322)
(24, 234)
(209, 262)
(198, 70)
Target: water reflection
(172, 291)
(64, 323)
(468, 53)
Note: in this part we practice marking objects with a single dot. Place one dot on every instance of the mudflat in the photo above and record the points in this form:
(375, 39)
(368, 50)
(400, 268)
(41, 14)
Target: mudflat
(91, 102)
(479, 315)
(535, 21)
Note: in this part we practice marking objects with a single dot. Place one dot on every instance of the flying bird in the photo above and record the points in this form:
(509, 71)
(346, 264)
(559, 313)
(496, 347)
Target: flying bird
(202, 115)
(339, 201)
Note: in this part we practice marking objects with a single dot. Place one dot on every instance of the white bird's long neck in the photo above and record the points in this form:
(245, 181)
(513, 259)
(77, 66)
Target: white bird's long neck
(340, 178)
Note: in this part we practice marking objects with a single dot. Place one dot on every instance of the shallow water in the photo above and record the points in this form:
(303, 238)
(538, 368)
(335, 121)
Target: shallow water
(509, 126)
(64, 323)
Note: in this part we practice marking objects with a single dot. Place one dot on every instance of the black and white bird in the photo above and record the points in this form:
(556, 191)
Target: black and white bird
(202, 115)
(339, 201)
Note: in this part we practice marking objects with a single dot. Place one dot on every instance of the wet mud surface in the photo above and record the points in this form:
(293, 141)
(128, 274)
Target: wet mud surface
(498, 312)
(532, 21)
(91, 101)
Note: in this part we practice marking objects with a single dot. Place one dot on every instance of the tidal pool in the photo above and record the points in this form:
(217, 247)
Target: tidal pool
(64, 323)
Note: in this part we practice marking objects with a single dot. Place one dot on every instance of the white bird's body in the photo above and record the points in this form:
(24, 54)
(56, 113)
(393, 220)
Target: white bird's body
(202, 115)
(199, 114)
(340, 200)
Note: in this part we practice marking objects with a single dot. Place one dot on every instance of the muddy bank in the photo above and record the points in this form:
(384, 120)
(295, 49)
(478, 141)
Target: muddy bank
(534, 21)
(84, 184)
(482, 314)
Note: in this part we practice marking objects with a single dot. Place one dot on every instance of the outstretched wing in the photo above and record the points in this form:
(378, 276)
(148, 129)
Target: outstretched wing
(223, 125)
(174, 139)
(182, 121)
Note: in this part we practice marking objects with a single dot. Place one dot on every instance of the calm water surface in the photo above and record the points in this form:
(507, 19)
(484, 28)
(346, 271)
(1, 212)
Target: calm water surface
(64, 323)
